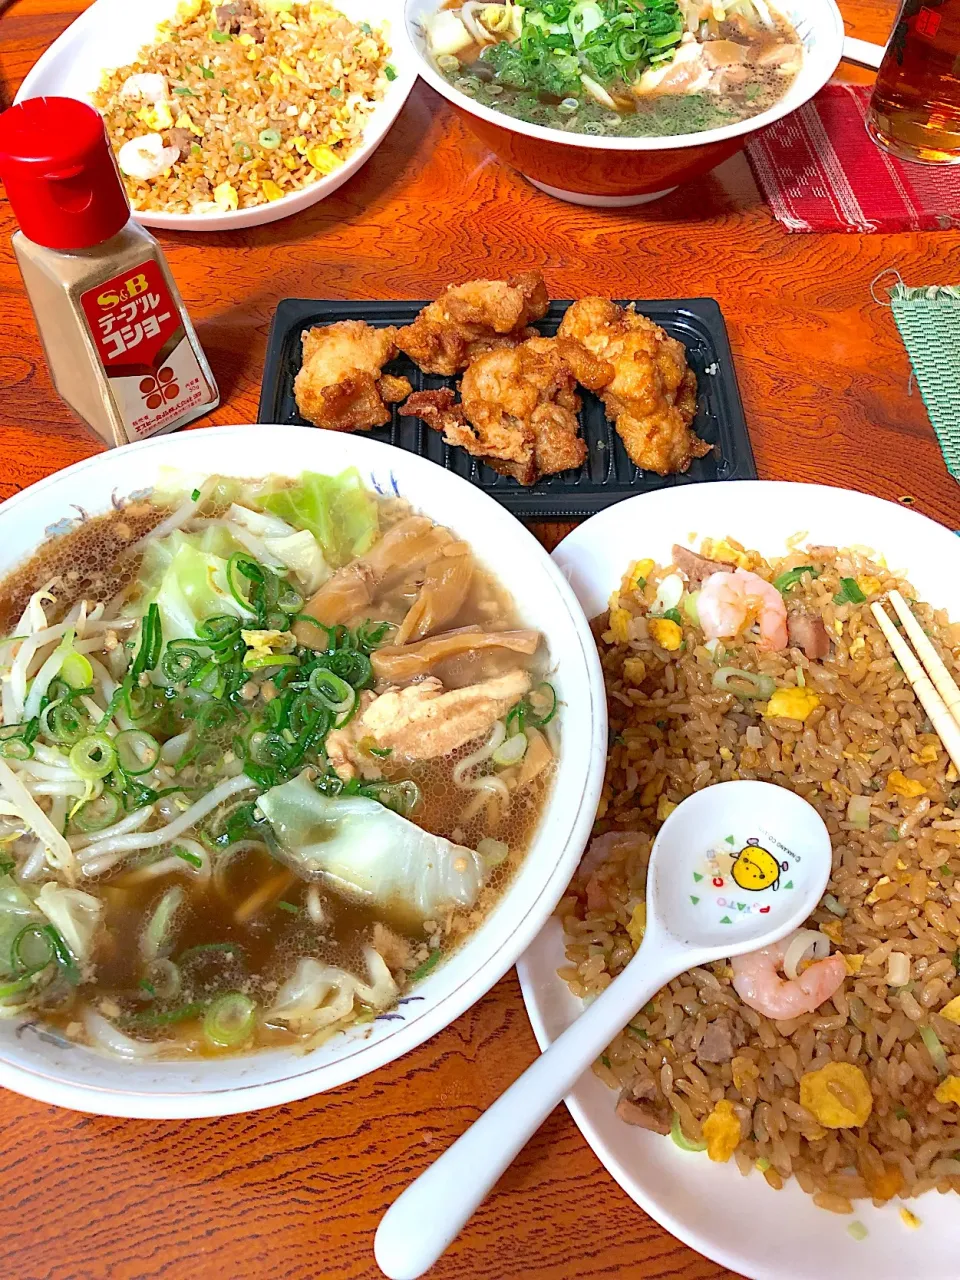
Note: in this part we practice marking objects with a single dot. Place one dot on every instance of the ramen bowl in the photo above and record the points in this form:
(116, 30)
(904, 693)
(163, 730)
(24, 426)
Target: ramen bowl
(618, 172)
(37, 1061)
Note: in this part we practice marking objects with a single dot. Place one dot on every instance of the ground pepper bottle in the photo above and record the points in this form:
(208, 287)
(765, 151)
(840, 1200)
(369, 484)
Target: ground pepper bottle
(119, 343)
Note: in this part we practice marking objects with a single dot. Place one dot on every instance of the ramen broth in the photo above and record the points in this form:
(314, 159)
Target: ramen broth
(719, 73)
(222, 913)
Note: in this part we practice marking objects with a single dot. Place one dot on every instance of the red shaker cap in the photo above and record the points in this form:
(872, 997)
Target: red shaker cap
(61, 178)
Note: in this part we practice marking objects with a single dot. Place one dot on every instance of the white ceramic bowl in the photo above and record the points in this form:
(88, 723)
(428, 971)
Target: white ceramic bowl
(741, 1222)
(43, 1066)
(629, 171)
(111, 32)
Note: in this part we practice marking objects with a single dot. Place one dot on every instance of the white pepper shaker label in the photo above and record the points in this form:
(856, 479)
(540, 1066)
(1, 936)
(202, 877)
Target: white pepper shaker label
(152, 369)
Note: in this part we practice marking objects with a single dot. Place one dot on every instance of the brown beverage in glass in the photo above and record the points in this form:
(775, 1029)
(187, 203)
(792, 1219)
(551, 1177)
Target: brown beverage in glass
(915, 109)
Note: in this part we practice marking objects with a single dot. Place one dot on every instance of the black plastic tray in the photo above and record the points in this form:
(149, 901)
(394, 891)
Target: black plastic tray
(607, 475)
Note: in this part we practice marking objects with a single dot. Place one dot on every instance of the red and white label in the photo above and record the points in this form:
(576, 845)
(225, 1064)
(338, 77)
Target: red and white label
(153, 370)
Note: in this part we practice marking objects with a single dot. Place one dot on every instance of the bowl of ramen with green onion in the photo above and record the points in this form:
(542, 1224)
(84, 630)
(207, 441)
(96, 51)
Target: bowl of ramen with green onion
(300, 741)
(616, 102)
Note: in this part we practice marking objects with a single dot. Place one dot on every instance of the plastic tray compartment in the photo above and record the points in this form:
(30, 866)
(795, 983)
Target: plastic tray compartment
(607, 475)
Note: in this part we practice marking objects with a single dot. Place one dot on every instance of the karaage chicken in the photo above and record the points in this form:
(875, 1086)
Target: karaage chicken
(651, 395)
(470, 319)
(518, 408)
(340, 385)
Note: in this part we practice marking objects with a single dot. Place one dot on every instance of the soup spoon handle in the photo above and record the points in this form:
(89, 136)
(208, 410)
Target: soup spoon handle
(428, 1216)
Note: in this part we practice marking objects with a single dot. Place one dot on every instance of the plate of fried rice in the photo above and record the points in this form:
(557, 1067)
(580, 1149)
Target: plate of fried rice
(795, 1113)
(231, 113)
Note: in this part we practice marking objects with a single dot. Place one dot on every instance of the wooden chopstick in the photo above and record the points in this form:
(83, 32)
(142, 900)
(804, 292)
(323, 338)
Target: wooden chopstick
(935, 707)
(945, 684)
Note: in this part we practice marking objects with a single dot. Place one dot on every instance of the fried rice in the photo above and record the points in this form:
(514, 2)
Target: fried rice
(865, 757)
(261, 98)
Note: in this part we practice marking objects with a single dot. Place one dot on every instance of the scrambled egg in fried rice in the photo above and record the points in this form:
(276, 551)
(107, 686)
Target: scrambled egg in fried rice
(238, 104)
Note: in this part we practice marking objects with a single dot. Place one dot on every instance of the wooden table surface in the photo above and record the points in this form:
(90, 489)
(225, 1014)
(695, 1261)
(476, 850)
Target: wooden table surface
(297, 1192)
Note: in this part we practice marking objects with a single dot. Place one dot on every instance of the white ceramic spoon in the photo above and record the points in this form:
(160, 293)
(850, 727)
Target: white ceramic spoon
(734, 868)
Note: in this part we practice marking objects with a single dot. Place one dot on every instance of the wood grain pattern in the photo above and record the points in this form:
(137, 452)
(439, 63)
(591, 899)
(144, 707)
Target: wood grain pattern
(297, 1192)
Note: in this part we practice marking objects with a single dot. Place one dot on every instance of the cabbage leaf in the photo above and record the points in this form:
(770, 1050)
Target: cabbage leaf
(340, 512)
(186, 575)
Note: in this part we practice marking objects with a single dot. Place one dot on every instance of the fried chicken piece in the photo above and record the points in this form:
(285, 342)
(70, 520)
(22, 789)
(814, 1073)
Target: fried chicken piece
(339, 386)
(652, 396)
(518, 409)
(470, 319)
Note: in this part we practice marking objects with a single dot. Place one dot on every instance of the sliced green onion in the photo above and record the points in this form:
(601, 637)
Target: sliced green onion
(389, 72)
(18, 986)
(351, 666)
(32, 949)
(691, 607)
(98, 812)
(637, 1031)
(184, 1014)
(137, 751)
(331, 690)
(858, 812)
(181, 661)
(62, 721)
(935, 1049)
(16, 748)
(849, 592)
(230, 1020)
(511, 751)
(371, 635)
(857, 1231)
(791, 577)
(744, 684)
(68, 966)
(832, 904)
(428, 965)
(221, 37)
(493, 852)
(243, 150)
(257, 663)
(240, 565)
(163, 980)
(673, 615)
(194, 859)
(155, 935)
(204, 948)
(77, 671)
(762, 1164)
(546, 697)
(289, 907)
(151, 640)
(682, 1141)
(93, 757)
(402, 797)
(269, 139)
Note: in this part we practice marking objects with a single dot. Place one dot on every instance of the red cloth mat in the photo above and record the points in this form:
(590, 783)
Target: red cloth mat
(819, 170)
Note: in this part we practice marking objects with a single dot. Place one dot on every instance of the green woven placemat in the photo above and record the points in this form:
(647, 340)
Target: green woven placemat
(929, 323)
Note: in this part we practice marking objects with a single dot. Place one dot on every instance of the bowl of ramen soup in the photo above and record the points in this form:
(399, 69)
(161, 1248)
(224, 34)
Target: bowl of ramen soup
(617, 102)
(301, 739)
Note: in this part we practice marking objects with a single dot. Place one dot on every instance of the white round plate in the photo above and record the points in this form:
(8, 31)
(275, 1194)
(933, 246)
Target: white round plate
(110, 34)
(51, 1069)
(741, 1222)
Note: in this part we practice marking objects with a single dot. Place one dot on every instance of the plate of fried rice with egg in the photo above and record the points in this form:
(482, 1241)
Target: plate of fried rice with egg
(796, 1112)
(231, 113)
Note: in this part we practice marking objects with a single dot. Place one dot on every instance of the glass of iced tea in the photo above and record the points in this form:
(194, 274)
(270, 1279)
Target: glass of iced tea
(915, 109)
